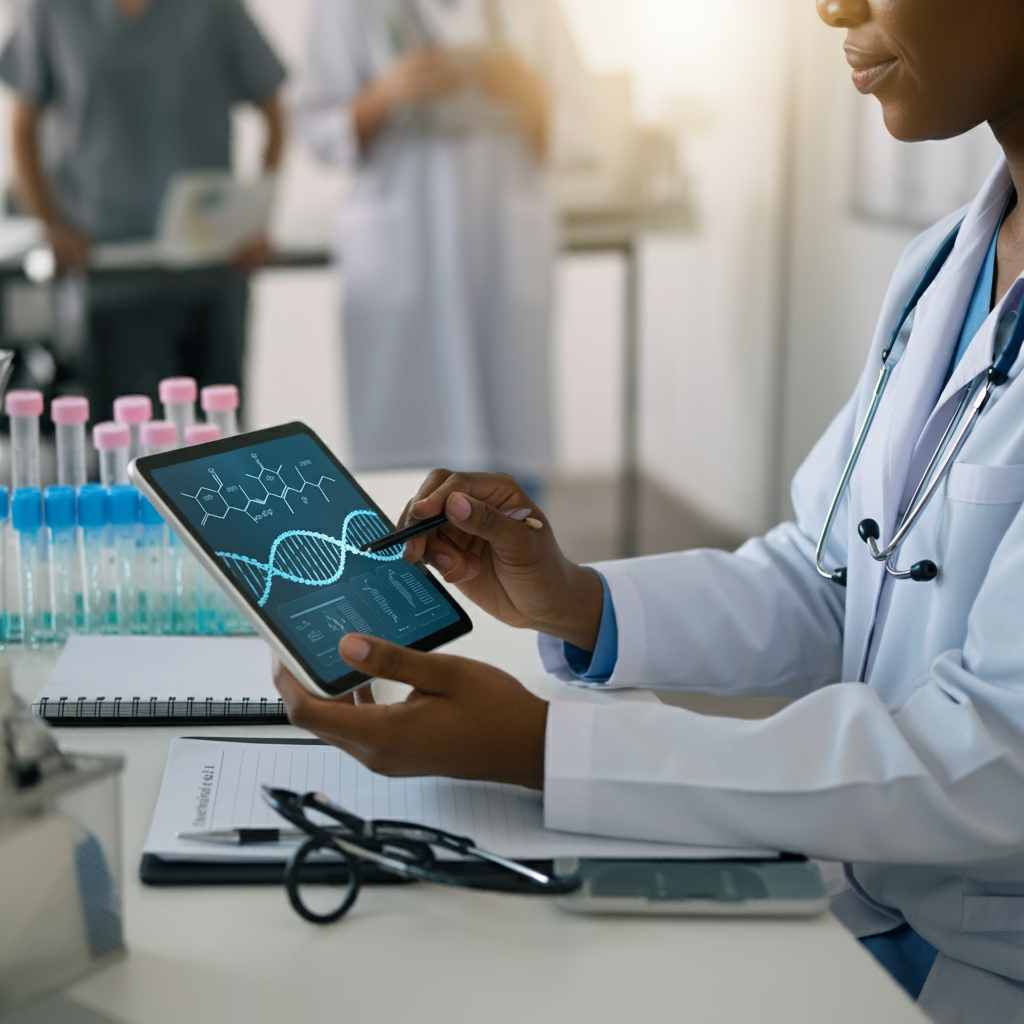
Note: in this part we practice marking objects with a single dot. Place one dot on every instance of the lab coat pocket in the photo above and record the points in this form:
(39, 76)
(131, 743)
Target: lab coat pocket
(985, 485)
(530, 237)
(377, 246)
(993, 914)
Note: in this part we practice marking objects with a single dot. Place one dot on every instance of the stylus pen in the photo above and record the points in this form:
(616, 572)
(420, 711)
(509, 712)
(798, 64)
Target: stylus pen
(520, 515)
(401, 536)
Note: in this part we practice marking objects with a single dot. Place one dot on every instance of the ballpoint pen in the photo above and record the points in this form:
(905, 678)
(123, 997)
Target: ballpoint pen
(241, 836)
(520, 515)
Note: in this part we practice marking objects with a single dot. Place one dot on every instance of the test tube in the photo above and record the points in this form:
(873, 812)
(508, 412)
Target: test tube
(124, 519)
(154, 599)
(178, 397)
(112, 441)
(209, 597)
(93, 518)
(200, 433)
(24, 409)
(61, 524)
(220, 404)
(27, 516)
(158, 436)
(70, 415)
(9, 618)
(133, 411)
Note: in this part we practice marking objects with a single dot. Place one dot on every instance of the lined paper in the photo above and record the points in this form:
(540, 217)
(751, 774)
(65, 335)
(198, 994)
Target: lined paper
(210, 784)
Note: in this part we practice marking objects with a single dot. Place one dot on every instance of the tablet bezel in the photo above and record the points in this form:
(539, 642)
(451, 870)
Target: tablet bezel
(294, 658)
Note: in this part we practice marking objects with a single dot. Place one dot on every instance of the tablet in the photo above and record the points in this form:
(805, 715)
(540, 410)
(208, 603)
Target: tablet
(279, 523)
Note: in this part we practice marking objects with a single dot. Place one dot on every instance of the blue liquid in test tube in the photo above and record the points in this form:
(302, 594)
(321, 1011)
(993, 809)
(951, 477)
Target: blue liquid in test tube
(9, 604)
(154, 586)
(124, 521)
(27, 516)
(93, 518)
(61, 523)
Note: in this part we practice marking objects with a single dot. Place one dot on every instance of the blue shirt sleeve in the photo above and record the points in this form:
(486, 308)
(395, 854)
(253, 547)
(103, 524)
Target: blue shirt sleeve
(598, 667)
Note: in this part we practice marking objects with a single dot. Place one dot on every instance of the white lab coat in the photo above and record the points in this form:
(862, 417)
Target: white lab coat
(446, 243)
(917, 777)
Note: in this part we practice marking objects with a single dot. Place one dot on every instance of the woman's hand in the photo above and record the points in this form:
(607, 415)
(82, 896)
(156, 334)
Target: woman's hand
(515, 573)
(70, 247)
(463, 719)
(418, 77)
(253, 254)
(502, 75)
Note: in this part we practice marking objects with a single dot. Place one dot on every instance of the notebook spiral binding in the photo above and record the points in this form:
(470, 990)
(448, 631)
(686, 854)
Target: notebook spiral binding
(156, 711)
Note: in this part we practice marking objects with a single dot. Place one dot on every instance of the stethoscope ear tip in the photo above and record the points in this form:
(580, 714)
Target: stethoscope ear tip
(924, 571)
(868, 530)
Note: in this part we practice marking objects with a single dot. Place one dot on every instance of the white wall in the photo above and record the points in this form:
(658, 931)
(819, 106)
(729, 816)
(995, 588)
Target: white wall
(711, 301)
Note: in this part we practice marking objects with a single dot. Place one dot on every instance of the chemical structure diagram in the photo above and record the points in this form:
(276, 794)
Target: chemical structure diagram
(217, 502)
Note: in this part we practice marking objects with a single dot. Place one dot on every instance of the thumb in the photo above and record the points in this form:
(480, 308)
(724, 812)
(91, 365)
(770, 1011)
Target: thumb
(479, 519)
(385, 660)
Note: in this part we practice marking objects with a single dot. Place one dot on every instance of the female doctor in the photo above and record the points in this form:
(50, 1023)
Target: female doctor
(445, 109)
(903, 753)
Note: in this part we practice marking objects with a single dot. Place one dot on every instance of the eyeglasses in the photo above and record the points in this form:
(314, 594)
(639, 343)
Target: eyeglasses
(400, 848)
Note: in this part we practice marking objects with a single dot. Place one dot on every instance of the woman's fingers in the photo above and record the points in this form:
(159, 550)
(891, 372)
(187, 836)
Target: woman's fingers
(424, 672)
(464, 719)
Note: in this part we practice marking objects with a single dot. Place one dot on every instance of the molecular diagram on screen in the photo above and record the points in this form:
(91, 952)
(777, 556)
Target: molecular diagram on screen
(252, 499)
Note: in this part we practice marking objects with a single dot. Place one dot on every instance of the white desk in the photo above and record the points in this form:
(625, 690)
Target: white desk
(430, 954)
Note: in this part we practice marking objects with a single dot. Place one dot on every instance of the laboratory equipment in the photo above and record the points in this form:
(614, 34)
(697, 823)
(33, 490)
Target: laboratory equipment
(70, 415)
(133, 411)
(60, 860)
(200, 433)
(178, 397)
(27, 518)
(93, 519)
(62, 548)
(153, 595)
(220, 404)
(112, 441)
(124, 522)
(10, 623)
(24, 409)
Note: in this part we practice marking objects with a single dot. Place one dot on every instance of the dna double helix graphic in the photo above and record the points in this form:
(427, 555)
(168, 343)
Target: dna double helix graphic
(305, 556)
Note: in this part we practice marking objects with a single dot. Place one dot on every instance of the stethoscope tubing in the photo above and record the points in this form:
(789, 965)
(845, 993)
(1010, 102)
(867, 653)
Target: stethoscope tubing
(1006, 348)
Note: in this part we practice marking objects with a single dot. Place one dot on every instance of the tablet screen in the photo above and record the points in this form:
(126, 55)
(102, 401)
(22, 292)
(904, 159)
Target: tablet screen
(286, 522)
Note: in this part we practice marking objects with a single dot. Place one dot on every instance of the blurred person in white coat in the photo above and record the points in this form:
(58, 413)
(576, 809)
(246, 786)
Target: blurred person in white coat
(902, 753)
(445, 110)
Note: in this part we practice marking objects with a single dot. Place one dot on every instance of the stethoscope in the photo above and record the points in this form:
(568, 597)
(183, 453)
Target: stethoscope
(1009, 336)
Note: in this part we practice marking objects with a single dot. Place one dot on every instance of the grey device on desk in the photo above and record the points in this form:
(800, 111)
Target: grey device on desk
(787, 887)
(282, 526)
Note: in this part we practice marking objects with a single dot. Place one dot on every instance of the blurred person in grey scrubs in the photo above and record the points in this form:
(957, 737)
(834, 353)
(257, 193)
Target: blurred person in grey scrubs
(113, 97)
(445, 110)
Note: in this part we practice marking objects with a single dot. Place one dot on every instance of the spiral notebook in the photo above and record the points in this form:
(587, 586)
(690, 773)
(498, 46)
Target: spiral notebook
(161, 680)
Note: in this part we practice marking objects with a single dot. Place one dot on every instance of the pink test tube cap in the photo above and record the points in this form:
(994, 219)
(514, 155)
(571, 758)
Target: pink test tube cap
(176, 390)
(159, 434)
(133, 409)
(70, 409)
(219, 398)
(24, 403)
(200, 433)
(109, 436)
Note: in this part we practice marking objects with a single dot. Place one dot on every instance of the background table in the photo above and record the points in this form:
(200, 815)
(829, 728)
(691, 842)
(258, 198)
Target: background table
(429, 954)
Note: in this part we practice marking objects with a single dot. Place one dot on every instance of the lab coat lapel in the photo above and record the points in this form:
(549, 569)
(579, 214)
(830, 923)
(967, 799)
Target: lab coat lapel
(879, 483)
(918, 378)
